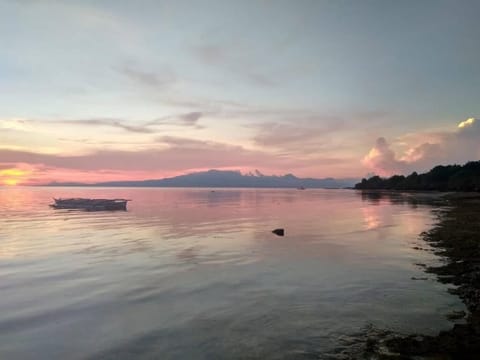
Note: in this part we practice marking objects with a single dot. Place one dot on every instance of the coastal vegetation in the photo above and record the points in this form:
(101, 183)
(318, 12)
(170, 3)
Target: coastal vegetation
(441, 178)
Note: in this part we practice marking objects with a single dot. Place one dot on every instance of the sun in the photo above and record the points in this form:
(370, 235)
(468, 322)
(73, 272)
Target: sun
(12, 177)
(10, 182)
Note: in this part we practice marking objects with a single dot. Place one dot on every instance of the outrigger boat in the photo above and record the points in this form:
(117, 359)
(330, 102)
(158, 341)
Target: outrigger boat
(90, 204)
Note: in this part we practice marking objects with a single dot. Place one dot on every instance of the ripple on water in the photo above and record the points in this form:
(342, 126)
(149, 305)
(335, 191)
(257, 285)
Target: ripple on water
(187, 273)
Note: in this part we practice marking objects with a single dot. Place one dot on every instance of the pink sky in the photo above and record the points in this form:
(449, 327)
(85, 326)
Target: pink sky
(93, 91)
(275, 150)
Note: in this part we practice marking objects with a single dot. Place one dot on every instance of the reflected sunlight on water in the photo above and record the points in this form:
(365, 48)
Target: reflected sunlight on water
(195, 273)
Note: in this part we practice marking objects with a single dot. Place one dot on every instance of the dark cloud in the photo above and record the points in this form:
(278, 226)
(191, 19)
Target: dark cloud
(191, 118)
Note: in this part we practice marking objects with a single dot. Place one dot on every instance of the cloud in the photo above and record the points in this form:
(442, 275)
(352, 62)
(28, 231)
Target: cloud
(175, 141)
(160, 79)
(107, 122)
(34, 174)
(170, 155)
(260, 79)
(191, 118)
(14, 125)
(30, 124)
(305, 135)
(381, 158)
(429, 149)
(233, 60)
(313, 133)
(466, 123)
(211, 54)
(6, 166)
(188, 119)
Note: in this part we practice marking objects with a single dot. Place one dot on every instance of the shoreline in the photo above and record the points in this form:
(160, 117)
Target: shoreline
(456, 238)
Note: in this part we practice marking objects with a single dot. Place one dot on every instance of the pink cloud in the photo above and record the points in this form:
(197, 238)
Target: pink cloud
(381, 158)
(427, 150)
(172, 156)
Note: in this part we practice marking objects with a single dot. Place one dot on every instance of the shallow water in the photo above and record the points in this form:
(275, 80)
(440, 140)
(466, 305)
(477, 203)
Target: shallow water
(197, 274)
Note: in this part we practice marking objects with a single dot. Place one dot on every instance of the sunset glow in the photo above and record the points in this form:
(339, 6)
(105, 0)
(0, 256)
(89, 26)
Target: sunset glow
(466, 123)
(175, 87)
(13, 177)
(225, 179)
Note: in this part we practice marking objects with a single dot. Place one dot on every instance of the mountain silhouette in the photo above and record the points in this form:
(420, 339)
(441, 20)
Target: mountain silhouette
(222, 178)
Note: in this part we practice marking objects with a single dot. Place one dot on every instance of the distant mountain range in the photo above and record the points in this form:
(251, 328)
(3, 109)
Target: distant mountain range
(220, 178)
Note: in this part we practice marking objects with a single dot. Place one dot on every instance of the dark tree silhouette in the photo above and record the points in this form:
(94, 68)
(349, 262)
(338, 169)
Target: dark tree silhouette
(440, 178)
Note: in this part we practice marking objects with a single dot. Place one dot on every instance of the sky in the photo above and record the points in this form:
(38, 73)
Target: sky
(113, 90)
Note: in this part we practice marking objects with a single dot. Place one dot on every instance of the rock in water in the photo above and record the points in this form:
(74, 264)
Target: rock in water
(456, 315)
(279, 232)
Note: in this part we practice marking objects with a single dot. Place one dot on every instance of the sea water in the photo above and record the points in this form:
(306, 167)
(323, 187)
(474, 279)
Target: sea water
(198, 274)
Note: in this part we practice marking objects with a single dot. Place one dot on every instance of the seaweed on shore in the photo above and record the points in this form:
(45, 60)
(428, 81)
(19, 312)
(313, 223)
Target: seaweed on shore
(456, 237)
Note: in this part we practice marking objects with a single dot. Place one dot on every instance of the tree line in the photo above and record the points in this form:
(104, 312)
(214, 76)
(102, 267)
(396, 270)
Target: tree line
(440, 178)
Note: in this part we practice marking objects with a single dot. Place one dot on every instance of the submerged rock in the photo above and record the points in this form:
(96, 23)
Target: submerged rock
(456, 315)
(279, 232)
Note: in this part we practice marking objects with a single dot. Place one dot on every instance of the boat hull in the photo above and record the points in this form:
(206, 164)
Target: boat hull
(91, 204)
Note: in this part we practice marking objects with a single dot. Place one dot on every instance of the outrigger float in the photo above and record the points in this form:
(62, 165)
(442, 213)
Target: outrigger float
(90, 204)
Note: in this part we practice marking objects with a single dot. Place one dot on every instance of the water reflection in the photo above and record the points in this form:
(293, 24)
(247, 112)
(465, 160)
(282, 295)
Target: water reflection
(191, 273)
(372, 218)
(377, 197)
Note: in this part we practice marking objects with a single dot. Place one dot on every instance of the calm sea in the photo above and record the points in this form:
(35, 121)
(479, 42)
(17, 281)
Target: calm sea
(197, 274)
